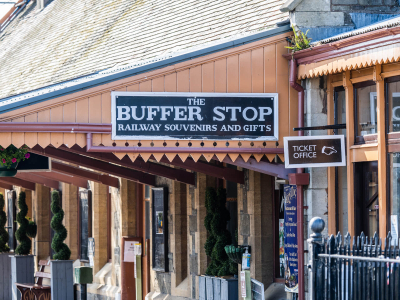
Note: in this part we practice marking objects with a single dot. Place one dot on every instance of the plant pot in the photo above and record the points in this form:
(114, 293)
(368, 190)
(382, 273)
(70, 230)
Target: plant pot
(62, 279)
(216, 288)
(5, 172)
(5, 278)
(22, 271)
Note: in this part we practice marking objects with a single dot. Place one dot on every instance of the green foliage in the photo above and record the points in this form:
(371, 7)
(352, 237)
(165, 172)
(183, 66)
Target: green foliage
(218, 236)
(58, 245)
(24, 242)
(12, 154)
(3, 232)
(31, 231)
(300, 40)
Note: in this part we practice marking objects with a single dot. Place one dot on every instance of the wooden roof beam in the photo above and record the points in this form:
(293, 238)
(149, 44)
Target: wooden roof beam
(49, 182)
(89, 175)
(95, 164)
(6, 186)
(77, 181)
(139, 165)
(19, 182)
(208, 169)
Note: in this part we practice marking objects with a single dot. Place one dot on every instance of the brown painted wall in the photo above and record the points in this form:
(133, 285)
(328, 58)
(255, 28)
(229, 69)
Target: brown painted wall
(253, 68)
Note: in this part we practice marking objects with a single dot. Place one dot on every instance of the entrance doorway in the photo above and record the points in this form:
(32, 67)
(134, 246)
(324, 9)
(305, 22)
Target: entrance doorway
(366, 198)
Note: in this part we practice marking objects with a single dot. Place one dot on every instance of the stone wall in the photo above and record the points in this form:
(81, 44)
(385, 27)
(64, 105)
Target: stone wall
(255, 223)
(376, 6)
(338, 15)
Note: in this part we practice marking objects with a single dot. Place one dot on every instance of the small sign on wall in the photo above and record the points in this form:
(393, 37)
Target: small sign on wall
(314, 151)
(91, 250)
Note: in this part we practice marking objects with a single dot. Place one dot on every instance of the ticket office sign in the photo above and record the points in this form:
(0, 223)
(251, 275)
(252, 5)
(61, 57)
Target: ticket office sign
(194, 116)
(314, 151)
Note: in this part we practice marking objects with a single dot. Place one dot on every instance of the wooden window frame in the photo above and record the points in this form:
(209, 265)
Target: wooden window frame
(359, 140)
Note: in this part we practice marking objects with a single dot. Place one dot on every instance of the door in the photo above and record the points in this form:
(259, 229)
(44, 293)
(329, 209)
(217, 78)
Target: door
(366, 198)
(11, 217)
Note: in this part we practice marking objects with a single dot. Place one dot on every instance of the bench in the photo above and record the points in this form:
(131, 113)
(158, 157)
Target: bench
(39, 291)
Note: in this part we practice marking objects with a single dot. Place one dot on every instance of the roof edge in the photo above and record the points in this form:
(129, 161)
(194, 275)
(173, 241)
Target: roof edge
(342, 47)
(290, 5)
(16, 104)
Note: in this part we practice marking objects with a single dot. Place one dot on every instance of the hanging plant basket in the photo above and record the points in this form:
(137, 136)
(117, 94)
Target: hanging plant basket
(9, 159)
(8, 171)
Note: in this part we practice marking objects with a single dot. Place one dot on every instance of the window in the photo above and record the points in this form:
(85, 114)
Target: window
(365, 110)
(393, 99)
(394, 160)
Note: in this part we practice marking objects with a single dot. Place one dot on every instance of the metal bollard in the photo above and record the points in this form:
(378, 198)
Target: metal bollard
(315, 247)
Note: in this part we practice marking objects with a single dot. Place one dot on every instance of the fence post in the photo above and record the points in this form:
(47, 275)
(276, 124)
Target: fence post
(315, 246)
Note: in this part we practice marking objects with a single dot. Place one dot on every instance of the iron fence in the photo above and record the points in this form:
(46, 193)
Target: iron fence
(358, 268)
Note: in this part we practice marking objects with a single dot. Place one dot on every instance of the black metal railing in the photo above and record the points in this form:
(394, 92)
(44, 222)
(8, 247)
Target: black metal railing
(358, 268)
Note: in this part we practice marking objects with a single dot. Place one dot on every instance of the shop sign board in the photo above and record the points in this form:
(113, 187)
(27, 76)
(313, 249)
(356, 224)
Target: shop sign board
(314, 151)
(291, 245)
(194, 116)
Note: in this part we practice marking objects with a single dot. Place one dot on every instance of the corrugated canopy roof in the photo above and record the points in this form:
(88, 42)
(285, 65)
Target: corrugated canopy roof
(393, 22)
(70, 39)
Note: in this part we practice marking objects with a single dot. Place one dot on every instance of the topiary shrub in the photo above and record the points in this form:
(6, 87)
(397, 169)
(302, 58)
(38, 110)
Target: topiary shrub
(58, 245)
(24, 242)
(3, 232)
(218, 236)
(32, 229)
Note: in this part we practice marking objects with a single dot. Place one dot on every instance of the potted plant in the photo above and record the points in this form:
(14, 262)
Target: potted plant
(218, 237)
(5, 259)
(62, 285)
(22, 260)
(9, 159)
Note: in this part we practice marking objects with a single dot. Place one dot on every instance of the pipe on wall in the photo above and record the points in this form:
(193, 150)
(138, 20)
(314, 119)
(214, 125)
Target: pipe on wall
(300, 202)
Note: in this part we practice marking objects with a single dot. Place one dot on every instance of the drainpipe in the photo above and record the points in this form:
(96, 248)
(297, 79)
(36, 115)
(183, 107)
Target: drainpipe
(300, 202)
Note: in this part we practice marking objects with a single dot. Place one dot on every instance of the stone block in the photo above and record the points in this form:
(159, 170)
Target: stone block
(391, 2)
(370, 2)
(244, 225)
(318, 178)
(344, 2)
(314, 19)
(379, 9)
(314, 5)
